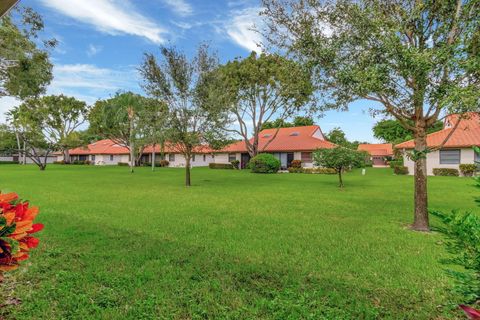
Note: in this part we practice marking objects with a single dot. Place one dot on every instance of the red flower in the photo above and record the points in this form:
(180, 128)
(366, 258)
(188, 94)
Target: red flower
(471, 313)
(16, 227)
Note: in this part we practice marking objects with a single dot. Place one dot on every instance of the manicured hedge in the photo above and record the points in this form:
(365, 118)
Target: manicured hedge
(235, 164)
(123, 164)
(8, 162)
(296, 164)
(446, 172)
(468, 169)
(395, 163)
(264, 163)
(400, 170)
(220, 166)
(312, 170)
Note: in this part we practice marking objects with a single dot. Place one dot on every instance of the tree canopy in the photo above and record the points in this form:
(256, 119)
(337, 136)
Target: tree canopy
(392, 131)
(298, 121)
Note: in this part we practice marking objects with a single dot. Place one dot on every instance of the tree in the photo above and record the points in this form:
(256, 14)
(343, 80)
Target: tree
(184, 86)
(338, 158)
(300, 121)
(8, 141)
(337, 136)
(281, 123)
(25, 70)
(414, 59)
(120, 119)
(392, 131)
(258, 88)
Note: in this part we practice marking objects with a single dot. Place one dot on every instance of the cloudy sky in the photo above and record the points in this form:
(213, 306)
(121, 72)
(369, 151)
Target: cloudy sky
(101, 43)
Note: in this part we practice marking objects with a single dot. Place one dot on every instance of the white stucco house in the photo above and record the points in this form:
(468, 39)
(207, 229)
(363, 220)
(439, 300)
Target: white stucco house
(457, 150)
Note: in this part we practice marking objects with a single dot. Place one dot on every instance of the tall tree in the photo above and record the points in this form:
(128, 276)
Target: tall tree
(392, 131)
(414, 59)
(258, 88)
(184, 85)
(300, 121)
(120, 119)
(25, 69)
(8, 141)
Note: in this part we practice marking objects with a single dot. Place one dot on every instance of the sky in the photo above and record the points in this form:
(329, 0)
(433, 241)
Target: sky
(101, 44)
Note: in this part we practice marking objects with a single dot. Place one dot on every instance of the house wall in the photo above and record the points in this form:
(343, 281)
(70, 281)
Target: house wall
(180, 161)
(433, 161)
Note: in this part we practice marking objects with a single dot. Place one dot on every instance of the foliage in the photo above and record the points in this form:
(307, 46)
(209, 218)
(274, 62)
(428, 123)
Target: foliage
(8, 140)
(264, 163)
(164, 163)
(123, 164)
(185, 86)
(16, 229)
(295, 169)
(392, 131)
(296, 164)
(468, 169)
(25, 69)
(337, 136)
(253, 90)
(397, 162)
(235, 164)
(414, 60)
(339, 158)
(213, 165)
(446, 172)
(298, 121)
(316, 170)
(400, 170)
(462, 232)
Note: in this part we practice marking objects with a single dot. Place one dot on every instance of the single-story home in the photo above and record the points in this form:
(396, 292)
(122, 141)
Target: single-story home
(107, 152)
(457, 150)
(379, 153)
(288, 144)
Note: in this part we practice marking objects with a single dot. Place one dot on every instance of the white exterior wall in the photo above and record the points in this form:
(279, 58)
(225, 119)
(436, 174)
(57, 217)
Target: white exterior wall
(10, 158)
(433, 161)
(222, 158)
(180, 161)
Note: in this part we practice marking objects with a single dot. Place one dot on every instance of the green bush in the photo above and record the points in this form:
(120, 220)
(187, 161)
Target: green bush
(446, 172)
(468, 169)
(235, 164)
(8, 162)
(296, 164)
(400, 170)
(123, 164)
(59, 162)
(220, 165)
(462, 232)
(319, 171)
(264, 163)
(395, 163)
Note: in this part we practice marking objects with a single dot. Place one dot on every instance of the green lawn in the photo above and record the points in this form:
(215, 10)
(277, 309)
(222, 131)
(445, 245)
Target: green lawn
(233, 246)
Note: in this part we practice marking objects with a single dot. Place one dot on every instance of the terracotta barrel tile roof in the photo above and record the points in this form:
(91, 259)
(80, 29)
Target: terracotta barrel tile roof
(378, 149)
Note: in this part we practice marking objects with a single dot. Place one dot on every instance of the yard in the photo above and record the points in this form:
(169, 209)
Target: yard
(235, 245)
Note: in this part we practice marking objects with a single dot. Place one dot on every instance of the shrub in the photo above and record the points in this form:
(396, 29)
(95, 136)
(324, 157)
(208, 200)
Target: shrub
(395, 163)
(264, 163)
(400, 170)
(164, 163)
(319, 170)
(462, 232)
(295, 170)
(446, 172)
(296, 164)
(235, 164)
(59, 162)
(468, 169)
(16, 229)
(220, 165)
(87, 162)
(123, 164)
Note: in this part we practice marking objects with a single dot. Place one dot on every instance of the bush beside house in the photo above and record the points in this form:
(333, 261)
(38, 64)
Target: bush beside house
(446, 172)
(220, 165)
(468, 170)
(400, 170)
(264, 163)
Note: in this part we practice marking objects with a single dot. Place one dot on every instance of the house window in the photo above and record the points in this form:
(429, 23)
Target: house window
(193, 157)
(232, 157)
(306, 157)
(111, 157)
(171, 157)
(204, 158)
(213, 156)
(82, 158)
(450, 156)
(93, 157)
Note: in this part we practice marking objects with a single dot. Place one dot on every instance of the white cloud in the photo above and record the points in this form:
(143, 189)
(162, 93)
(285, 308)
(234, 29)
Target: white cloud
(241, 28)
(93, 50)
(110, 16)
(180, 7)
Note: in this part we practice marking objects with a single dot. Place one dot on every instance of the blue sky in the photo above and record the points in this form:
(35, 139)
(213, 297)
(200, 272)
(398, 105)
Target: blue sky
(101, 43)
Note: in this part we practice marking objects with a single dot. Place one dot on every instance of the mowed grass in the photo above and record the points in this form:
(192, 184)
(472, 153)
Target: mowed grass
(235, 245)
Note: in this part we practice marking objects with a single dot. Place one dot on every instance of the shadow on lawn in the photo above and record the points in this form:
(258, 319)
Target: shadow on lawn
(91, 271)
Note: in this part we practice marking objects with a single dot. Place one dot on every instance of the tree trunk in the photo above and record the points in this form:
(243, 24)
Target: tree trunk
(340, 179)
(66, 156)
(420, 222)
(132, 157)
(153, 158)
(24, 153)
(42, 166)
(187, 171)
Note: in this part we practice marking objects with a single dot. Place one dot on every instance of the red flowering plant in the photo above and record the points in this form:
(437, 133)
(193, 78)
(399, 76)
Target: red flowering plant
(16, 229)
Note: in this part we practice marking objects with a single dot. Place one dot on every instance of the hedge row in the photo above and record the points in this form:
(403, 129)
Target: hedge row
(220, 166)
(312, 170)
(446, 172)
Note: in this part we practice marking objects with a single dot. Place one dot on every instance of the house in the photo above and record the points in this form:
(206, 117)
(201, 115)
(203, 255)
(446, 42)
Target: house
(288, 144)
(458, 148)
(380, 153)
(107, 152)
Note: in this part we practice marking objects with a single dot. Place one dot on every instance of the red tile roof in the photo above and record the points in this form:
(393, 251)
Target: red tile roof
(466, 135)
(307, 138)
(379, 149)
